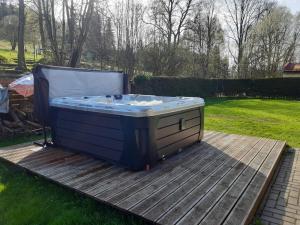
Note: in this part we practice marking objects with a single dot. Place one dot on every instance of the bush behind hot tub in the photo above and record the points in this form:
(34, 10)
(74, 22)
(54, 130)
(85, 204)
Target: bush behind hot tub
(191, 86)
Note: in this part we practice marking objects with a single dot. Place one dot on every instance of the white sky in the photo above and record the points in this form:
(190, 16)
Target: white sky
(293, 5)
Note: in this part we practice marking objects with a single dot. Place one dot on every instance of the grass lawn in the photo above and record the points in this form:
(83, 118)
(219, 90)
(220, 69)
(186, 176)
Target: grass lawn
(278, 119)
(29, 200)
(25, 199)
(18, 140)
(10, 55)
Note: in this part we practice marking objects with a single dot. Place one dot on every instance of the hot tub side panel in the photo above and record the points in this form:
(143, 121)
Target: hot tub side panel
(178, 130)
(117, 139)
(87, 132)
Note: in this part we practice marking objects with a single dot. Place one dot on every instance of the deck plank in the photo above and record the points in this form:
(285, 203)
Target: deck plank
(165, 206)
(194, 169)
(226, 173)
(205, 201)
(41, 160)
(185, 166)
(220, 181)
(188, 169)
(85, 183)
(62, 166)
(225, 204)
(243, 211)
(112, 187)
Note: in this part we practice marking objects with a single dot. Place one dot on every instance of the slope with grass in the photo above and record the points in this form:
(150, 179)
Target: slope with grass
(11, 55)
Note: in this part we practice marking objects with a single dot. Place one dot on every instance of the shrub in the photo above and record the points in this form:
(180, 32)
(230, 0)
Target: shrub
(46, 61)
(139, 79)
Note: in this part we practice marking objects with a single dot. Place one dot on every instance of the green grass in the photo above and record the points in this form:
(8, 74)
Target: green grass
(5, 50)
(4, 44)
(11, 55)
(18, 140)
(26, 199)
(278, 119)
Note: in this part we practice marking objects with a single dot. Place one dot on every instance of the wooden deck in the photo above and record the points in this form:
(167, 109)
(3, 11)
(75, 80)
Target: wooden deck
(220, 181)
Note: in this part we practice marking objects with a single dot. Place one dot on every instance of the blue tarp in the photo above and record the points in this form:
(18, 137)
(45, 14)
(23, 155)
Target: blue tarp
(4, 100)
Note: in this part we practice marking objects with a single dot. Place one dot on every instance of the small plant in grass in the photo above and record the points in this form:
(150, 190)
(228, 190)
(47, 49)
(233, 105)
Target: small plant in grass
(257, 221)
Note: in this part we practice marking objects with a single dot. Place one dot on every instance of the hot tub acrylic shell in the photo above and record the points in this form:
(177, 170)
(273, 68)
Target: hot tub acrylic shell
(135, 142)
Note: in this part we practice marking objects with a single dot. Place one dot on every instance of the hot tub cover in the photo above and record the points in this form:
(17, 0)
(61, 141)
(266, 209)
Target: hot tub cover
(129, 105)
(54, 82)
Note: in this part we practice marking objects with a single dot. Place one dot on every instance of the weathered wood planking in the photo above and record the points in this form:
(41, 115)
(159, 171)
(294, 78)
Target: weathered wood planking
(220, 181)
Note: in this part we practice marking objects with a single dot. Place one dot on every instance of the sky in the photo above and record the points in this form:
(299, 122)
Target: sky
(293, 5)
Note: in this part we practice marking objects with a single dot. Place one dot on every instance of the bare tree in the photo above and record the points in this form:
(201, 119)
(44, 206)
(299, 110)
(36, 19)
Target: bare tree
(127, 18)
(85, 14)
(241, 16)
(100, 41)
(177, 36)
(272, 43)
(48, 12)
(41, 23)
(206, 32)
(21, 29)
(66, 36)
(169, 17)
(294, 44)
(9, 30)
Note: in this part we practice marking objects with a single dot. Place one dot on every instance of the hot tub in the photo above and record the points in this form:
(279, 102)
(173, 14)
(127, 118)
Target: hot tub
(135, 131)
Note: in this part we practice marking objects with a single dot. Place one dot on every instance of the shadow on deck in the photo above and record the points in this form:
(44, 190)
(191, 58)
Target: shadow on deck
(219, 181)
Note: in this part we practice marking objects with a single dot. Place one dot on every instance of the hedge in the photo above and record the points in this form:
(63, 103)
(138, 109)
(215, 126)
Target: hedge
(190, 86)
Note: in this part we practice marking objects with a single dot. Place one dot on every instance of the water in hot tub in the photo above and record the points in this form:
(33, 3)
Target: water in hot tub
(134, 100)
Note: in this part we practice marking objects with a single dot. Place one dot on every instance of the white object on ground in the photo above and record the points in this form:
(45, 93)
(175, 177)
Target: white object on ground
(23, 86)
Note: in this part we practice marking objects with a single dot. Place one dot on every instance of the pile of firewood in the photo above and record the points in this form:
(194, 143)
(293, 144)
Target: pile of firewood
(20, 118)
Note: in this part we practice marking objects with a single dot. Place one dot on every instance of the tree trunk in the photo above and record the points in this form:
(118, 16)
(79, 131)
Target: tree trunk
(70, 14)
(240, 61)
(13, 43)
(75, 56)
(13, 46)
(76, 51)
(21, 27)
(41, 25)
